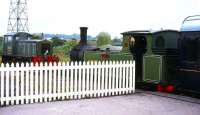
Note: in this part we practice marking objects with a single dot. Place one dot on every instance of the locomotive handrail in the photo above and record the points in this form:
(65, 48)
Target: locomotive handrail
(189, 70)
(191, 23)
(186, 19)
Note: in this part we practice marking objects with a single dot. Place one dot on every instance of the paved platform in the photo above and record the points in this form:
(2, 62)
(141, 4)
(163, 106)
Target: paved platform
(139, 103)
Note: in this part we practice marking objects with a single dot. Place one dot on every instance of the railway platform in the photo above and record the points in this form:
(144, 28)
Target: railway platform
(140, 103)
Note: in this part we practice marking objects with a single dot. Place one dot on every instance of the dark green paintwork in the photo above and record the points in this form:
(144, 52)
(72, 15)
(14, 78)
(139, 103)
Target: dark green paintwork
(152, 68)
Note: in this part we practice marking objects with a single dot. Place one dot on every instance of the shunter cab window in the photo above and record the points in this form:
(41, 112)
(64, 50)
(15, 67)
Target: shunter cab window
(45, 49)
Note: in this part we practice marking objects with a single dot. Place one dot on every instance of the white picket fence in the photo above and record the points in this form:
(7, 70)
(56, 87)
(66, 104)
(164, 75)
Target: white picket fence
(31, 84)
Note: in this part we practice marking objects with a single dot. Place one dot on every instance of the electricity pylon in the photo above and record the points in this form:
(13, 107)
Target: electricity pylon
(18, 16)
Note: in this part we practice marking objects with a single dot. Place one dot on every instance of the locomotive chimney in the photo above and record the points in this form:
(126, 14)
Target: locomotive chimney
(83, 34)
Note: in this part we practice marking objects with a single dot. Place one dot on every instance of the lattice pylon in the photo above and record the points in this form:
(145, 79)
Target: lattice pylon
(18, 16)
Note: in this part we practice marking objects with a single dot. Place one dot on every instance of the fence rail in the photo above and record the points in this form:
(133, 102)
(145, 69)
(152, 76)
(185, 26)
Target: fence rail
(60, 81)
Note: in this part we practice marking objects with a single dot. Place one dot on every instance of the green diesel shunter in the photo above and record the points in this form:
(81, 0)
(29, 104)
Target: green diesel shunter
(20, 47)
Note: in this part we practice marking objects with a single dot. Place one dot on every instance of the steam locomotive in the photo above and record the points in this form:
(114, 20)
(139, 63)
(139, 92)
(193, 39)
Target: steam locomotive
(168, 60)
(20, 47)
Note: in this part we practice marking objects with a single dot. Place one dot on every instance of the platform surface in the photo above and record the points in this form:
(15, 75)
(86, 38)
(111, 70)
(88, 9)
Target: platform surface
(140, 103)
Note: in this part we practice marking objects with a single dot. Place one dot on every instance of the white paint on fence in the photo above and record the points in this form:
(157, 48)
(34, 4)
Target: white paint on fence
(59, 81)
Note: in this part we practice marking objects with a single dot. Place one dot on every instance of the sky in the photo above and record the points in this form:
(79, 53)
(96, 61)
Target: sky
(112, 16)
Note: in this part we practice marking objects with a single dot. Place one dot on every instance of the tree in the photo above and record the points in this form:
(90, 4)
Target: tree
(57, 41)
(103, 38)
(36, 37)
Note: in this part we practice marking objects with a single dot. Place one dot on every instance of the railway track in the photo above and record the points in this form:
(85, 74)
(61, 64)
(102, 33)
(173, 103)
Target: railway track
(180, 97)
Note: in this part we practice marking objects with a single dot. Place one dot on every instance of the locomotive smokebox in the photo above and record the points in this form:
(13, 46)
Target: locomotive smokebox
(77, 52)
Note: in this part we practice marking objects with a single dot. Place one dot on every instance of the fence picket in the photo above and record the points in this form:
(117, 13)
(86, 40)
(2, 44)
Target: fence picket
(2, 86)
(63, 81)
(31, 85)
(71, 82)
(87, 79)
(99, 79)
(7, 84)
(67, 80)
(133, 76)
(12, 80)
(36, 83)
(109, 78)
(75, 80)
(84, 82)
(17, 86)
(41, 84)
(91, 79)
(79, 80)
(113, 79)
(102, 80)
(95, 79)
(22, 84)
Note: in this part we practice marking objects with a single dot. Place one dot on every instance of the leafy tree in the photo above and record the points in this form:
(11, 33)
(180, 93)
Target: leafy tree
(103, 38)
(57, 41)
(36, 37)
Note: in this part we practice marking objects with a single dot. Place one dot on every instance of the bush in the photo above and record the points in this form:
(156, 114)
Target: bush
(63, 51)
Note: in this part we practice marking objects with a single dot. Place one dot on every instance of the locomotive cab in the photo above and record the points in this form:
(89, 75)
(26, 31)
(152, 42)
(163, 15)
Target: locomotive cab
(139, 44)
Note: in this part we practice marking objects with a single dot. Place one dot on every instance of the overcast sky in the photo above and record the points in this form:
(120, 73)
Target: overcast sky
(113, 16)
